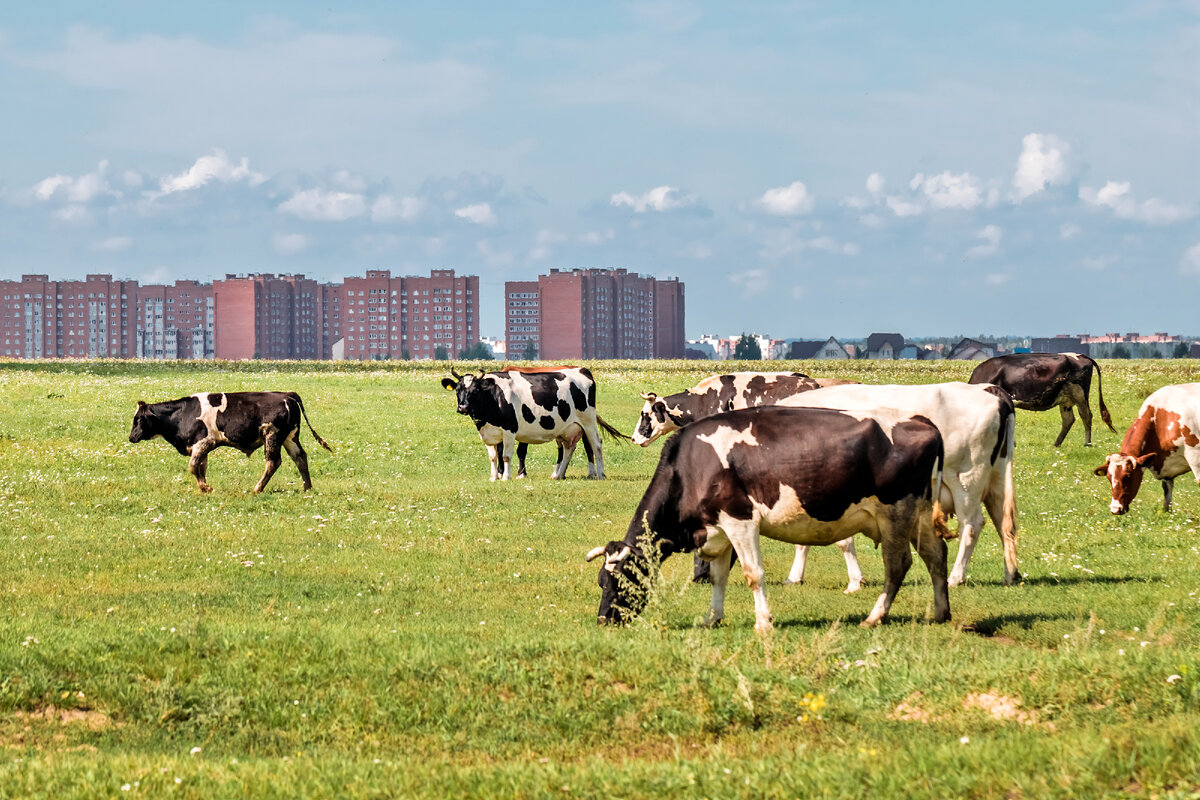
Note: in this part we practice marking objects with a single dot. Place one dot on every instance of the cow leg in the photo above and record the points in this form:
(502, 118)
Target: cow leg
(566, 450)
(853, 571)
(494, 460)
(897, 558)
(274, 457)
(591, 456)
(743, 534)
(292, 445)
(198, 463)
(1168, 485)
(719, 574)
(522, 449)
(1085, 412)
(799, 564)
(591, 433)
(504, 451)
(932, 549)
(1068, 419)
(970, 522)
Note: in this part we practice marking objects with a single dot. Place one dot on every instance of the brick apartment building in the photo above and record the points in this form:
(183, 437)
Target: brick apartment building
(276, 317)
(411, 316)
(595, 313)
(173, 321)
(92, 318)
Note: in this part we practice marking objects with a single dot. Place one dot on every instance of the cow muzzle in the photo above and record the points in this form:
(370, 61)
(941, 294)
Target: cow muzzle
(1116, 507)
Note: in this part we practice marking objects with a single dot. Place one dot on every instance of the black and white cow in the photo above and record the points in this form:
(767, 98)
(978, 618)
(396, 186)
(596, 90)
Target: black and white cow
(734, 390)
(197, 425)
(806, 476)
(531, 406)
(978, 426)
(1041, 381)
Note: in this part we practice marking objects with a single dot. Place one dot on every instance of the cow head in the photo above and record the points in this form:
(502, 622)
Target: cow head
(622, 581)
(466, 388)
(144, 424)
(656, 420)
(1125, 474)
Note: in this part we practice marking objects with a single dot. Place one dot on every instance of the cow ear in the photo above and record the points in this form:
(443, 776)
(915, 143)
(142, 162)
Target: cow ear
(449, 384)
(1144, 460)
(141, 404)
(1101, 470)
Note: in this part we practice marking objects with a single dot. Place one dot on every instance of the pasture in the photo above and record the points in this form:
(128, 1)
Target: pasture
(410, 629)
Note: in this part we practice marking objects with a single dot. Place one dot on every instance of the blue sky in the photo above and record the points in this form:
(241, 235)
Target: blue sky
(808, 169)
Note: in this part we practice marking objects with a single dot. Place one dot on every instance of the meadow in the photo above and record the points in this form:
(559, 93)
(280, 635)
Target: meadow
(408, 629)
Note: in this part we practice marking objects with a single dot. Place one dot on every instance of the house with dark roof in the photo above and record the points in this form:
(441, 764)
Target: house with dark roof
(884, 346)
(830, 348)
(973, 350)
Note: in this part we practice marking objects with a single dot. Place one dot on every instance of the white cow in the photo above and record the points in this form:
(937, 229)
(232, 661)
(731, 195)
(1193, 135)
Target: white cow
(977, 425)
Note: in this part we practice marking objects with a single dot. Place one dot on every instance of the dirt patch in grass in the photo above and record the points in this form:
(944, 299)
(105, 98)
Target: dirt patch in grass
(907, 710)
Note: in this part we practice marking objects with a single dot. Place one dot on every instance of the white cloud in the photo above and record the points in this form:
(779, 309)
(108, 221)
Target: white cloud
(214, 167)
(990, 234)
(1097, 263)
(314, 205)
(752, 281)
(996, 278)
(597, 237)
(388, 208)
(661, 198)
(1118, 196)
(543, 243)
(903, 208)
(1190, 263)
(80, 191)
(787, 201)
(113, 244)
(480, 214)
(74, 214)
(1043, 162)
(875, 184)
(347, 181)
(289, 243)
(132, 179)
(949, 191)
(1068, 231)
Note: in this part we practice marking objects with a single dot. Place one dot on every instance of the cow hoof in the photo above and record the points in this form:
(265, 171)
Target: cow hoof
(870, 622)
(852, 588)
(204, 488)
(764, 627)
(955, 581)
(790, 582)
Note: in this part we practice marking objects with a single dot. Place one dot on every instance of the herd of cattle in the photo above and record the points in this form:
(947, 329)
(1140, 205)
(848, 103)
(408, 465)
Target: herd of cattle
(804, 461)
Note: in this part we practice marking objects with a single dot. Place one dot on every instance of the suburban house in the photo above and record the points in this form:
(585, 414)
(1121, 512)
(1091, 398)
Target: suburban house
(831, 348)
(973, 350)
(884, 346)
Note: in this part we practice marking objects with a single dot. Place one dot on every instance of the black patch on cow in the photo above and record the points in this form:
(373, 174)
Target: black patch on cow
(214, 400)
(547, 422)
(483, 400)
(1006, 410)
(578, 398)
(528, 414)
(544, 388)
(591, 398)
(564, 410)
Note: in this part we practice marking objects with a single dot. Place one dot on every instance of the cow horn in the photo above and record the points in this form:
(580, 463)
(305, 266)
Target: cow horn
(595, 553)
(648, 395)
(619, 557)
(457, 377)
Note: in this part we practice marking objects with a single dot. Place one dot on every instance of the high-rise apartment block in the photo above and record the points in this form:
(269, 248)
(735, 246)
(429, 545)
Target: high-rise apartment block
(410, 317)
(240, 317)
(595, 313)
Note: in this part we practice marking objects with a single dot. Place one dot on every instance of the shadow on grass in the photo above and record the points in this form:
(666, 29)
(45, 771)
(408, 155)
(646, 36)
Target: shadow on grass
(990, 627)
(1068, 580)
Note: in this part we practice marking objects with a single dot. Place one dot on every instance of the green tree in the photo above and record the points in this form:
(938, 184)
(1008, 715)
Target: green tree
(747, 349)
(1121, 351)
(530, 353)
(1182, 350)
(407, 356)
(440, 353)
(476, 352)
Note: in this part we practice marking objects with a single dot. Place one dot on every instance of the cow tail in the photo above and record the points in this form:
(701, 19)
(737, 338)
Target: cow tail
(1008, 523)
(316, 435)
(940, 526)
(611, 431)
(1104, 415)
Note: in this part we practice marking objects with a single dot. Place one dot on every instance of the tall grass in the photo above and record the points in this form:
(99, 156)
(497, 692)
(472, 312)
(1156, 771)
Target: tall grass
(410, 629)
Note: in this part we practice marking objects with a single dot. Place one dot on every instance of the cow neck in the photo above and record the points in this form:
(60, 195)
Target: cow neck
(1142, 439)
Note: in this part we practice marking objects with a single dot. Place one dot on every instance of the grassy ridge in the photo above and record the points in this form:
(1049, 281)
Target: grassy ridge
(410, 629)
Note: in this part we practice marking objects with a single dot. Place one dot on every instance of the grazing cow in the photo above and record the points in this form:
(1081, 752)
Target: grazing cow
(811, 476)
(977, 425)
(1164, 439)
(531, 406)
(197, 425)
(1041, 381)
(661, 415)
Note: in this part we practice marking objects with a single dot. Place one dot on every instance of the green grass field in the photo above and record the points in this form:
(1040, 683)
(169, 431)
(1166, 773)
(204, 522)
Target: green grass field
(410, 629)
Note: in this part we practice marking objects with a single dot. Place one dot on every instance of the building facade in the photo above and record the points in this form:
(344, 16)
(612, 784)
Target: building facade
(409, 317)
(595, 313)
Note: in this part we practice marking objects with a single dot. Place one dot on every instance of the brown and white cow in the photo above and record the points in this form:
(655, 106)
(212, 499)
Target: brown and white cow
(1164, 439)
(197, 425)
(977, 425)
(800, 475)
(1041, 381)
(728, 392)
